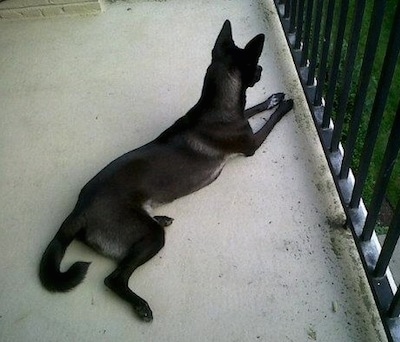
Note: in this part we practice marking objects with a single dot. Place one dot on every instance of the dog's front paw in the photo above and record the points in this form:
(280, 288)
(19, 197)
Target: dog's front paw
(286, 105)
(283, 108)
(274, 100)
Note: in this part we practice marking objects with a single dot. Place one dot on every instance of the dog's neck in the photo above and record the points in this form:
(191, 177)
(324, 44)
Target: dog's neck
(223, 92)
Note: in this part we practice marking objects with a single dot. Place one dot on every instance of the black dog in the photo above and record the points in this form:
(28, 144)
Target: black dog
(112, 214)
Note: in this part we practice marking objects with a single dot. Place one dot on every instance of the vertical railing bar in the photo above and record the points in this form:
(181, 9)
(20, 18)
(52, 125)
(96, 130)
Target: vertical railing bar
(378, 107)
(389, 244)
(394, 310)
(292, 22)
(287, 9)
(348, 74)
(324, 54)
(389, 159)
(307, 29)
(363, 83)
(334, 72)
(300, 22)
(315, 42)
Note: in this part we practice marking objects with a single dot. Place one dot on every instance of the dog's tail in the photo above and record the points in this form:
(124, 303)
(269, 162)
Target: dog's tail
(49, 272)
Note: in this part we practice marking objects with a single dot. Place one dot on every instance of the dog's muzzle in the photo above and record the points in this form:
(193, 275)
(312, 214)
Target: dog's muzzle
(257, 76)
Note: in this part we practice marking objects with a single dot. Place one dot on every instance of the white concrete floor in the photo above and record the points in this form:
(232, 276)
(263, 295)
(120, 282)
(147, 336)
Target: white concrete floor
(259, 255)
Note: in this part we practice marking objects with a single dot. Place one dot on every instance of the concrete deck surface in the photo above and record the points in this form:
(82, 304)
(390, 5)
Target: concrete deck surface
(259, 255)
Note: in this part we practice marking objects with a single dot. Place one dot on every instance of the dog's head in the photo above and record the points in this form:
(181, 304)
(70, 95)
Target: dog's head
(244, 61)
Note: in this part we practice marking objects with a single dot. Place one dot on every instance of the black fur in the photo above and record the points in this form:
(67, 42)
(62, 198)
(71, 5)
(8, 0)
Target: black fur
(113, 215)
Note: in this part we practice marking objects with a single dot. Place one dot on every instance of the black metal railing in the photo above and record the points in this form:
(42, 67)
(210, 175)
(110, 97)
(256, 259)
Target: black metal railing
(346, 53)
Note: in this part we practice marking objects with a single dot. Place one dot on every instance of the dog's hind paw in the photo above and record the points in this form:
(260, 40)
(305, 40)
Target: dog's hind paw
(164, 221)
(274, 100)
(144, 312)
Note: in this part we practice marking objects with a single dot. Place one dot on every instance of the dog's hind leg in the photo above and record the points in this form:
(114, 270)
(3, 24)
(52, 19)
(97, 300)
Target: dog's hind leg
(164, 221)
(269, 103)
(138, 254)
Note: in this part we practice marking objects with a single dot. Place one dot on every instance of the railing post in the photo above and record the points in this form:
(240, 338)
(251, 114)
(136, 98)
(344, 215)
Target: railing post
(348, 73)
(394, 310)
(292, 22)
(300, 22)
(324, 54)
(389, 245)
(334, 72)
(388, 161)
(307, 29)
(315, 42)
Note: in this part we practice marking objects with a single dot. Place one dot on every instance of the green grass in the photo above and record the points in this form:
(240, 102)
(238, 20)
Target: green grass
(393, 193)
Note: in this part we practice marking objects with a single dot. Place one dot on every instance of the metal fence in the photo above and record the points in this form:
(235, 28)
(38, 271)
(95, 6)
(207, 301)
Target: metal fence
(336, 46)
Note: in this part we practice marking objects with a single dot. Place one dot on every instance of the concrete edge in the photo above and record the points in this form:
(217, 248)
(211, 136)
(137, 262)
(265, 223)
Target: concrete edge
(342, 242)
(17, 12)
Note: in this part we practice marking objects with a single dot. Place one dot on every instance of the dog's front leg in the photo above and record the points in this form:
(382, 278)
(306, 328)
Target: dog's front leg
(262, 134)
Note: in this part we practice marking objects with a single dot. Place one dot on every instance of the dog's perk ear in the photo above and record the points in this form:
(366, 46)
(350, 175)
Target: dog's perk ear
(224, 40)
(254, 47)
